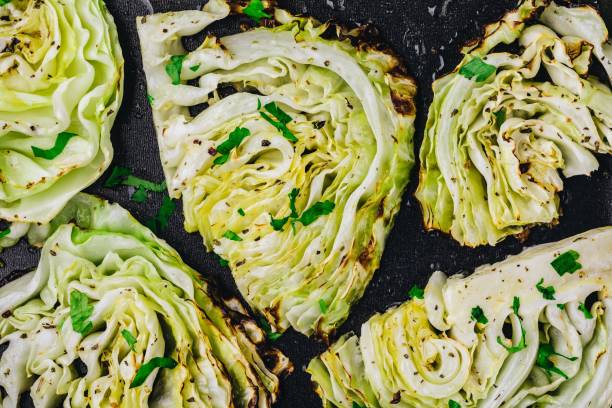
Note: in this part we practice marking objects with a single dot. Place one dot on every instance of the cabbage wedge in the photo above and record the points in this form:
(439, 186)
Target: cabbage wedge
(533, 330)
(295, 177)
(503, 124)
(112, 317)
(61, 85)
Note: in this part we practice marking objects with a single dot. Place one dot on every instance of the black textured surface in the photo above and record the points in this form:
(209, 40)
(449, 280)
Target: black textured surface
(427, 34)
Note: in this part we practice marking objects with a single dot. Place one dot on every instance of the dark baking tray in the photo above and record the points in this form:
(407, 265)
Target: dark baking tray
(427, 34)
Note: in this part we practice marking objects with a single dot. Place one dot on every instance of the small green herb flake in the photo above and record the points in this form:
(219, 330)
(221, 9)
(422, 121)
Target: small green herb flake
(174, 68)
(587, 313)
(477, 69)
(223, 262)
(160, 221)
(5, 232)
(323, 306)
(147, 368)
(282, 119)
(292, 197)
(117, 176)
(271, 335)
(561, 306)
(453, 404)
(256, 11)
(545, 351)
(60, 144)
(140, 195)
(319, 209)
(548, 292)
(566, 263)
(500, 117)
(516, 304)
(279, 224)
(357, 405)
(234, 140)
(4, 2)
(123, 176)
(416, 292)
(150, 99)
(80, 312)
(194, 68)
(479, 316)
(129, 338)
(241, 212)
(137, 182)
(231, 235)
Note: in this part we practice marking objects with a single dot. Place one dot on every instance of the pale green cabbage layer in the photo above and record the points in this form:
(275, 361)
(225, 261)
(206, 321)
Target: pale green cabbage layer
(429, 352)
(493, 149)
(136, 282)
(352, 113)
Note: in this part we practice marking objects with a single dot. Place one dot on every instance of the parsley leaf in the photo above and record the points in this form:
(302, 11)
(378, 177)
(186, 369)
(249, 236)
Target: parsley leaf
(160, 221)
(5, 232)
(147, 368)
(129, 338)
(281, 122)
(478, 69)
(516, 304)
(255, 10)
(547, 291)
(271, 335)
(561, 306)
(174, 68)
(80, 313)
(357, 405)
(231, 235)
(416, 292)
(500, 117)
(194, 68)
(566, 263)
(140, 195)
(117, 176)
(241, 212)
(150, 99)
(4, 2)
(587, 313)
(279, 224)
(453, 404)
(234, 140)
(222, 261)
(57, 149)
(123, 176)
(318, 209)
(479, 316)
(323, 306)
(545, 351)
(292, 197)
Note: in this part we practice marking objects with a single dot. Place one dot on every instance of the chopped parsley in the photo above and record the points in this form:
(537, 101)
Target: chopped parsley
(282, 119)
(561, 306)
(547, 291)
(545, 351)
(4, 2)
(587, 313)
(516, 304)
(234, 139)
(479, 316)
(80, 312)
(292, 197)
(500, 117)
(453, 404)
(279, 224)
(150, 99)
(123, 176)
(357, 405)
(271, 335)
(194, 68)
(477, 69)
(5, 232)
(318, 209)
(223, 262)
(231, 235)
(566, 263)
(416, 292)
(323, 306)
(60, 144)
(256, 11)
(174, 68)
(147, 368)
(129, 338)
(160, 221)
(241, 212)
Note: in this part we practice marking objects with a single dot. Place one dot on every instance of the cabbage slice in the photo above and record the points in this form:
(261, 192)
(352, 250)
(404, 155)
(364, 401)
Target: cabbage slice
(61, 74)
(485, 340)
(494, 145)
(131, 281)
(296, 177)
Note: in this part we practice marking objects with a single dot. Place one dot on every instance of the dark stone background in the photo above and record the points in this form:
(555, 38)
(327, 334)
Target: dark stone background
(427, 34)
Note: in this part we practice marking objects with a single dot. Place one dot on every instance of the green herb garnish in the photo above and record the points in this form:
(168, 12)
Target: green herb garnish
(223, 262)
(174, 68)
(292, 197)
(147, 368)
(194, 68)
(241, 212)
(477, 69)
(566, 263)
(547, 291)
(319, 209)
(561, 306)
(282, 119)
(80, 312)
(150, 99)
(479, 316)
(5, 232)
(323, 306)
(416, 292)
(4, 2)
(271, 335)
(500, 117)
(234, 139)
(123, 176)
(255, 10)
(129, 338)
(231, 235)
(57, 149)
(160, 221)
(587, 313)
(453, 404)
(279, 224)
(357, 405)
(516, 304)
(545, 351)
